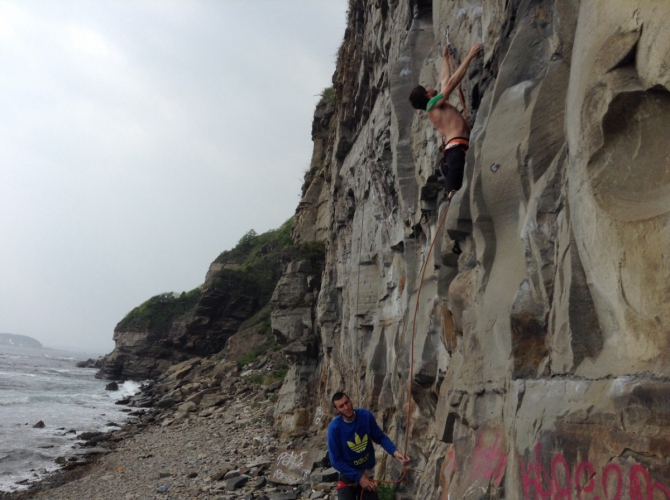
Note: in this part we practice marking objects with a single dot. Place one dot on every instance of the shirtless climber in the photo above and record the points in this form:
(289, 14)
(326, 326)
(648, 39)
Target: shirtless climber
(446, 118)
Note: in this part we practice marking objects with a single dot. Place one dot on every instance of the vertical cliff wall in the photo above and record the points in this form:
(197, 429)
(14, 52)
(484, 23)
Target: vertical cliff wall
(541, 359)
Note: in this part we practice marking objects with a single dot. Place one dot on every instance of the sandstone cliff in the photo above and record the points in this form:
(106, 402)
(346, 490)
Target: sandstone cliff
(541, 359)
(170, 328)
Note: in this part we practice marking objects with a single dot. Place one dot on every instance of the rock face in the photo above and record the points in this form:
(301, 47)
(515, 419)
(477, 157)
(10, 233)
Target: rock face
(540, 359)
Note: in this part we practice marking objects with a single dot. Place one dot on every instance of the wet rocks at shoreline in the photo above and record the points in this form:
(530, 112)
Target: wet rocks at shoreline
(91, 363)
(202, 430)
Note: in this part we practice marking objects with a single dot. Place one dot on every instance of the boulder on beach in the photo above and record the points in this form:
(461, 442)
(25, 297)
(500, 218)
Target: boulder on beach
(87, 436)
(91, 363)
(112, 386)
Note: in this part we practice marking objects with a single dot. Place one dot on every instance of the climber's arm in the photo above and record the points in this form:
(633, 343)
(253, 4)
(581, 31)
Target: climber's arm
(446, 68)
(454, 80)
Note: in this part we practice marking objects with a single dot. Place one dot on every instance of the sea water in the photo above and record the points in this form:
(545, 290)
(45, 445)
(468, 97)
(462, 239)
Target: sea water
(46, 385)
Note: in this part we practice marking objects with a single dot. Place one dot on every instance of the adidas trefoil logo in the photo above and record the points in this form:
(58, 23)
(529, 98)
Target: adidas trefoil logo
(360, 444)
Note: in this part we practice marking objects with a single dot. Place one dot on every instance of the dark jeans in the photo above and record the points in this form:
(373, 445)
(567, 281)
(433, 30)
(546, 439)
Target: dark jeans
(354, 493)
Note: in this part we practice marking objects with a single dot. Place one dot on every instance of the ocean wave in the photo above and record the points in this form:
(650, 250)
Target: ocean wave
(128, 388)
(76, 398)
(64, 372)
(18, 401)
(21, 454)
(17, 374)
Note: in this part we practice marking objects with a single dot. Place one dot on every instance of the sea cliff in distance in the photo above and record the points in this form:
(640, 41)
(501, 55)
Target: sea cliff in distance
(19, 341)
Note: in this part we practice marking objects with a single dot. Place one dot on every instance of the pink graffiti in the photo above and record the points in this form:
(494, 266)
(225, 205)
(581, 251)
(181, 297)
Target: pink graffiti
(488, 461)
(539, 484)
(536, 477)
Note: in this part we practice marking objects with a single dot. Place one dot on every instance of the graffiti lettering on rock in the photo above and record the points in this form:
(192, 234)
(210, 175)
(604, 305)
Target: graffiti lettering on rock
(318, 417)
(291, 459)
(585, 482)
(488, 461)
(292, 466)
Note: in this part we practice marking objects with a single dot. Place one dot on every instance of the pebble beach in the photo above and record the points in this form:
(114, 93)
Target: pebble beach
(219, 446)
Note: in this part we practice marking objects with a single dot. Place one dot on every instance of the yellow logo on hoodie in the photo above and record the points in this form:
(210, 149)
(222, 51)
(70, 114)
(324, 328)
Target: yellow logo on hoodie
(360, 444)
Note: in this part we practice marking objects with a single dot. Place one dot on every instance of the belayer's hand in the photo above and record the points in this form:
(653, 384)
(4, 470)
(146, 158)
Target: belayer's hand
(367, 483)
(403, 459)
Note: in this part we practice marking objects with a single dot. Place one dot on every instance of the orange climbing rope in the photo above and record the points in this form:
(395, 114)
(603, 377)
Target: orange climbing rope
(418, 296)
(418, 293)
(411, 362)
(416, 310)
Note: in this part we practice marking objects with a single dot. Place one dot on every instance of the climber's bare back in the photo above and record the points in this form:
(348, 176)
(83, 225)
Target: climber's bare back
(449, 122)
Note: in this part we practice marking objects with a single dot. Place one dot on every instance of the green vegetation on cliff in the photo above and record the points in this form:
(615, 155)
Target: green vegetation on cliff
(157, 313)
(260, 320)
(253, 267)
(252, 247)
(328, 97)
(235, 298)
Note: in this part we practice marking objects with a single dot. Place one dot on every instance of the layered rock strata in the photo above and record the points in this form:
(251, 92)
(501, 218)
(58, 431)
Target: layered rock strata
(540, 356)
(170, 328)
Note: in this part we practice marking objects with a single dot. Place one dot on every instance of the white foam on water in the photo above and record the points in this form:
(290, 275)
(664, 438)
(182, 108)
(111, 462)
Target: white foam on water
(20, 400)
(52, 389)
(127, 389)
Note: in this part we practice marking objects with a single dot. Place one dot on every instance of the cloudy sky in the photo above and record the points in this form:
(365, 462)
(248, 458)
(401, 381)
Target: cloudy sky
(138, 140)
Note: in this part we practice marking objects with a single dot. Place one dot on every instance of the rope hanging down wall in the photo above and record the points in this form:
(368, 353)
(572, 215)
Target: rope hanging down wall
(410, 382)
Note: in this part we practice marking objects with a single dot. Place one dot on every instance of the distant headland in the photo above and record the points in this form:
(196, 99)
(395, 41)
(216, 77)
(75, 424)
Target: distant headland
(19, 341)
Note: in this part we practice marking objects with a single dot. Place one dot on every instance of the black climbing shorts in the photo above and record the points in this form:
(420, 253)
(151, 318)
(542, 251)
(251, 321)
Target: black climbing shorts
(452, 167)
(353, 491)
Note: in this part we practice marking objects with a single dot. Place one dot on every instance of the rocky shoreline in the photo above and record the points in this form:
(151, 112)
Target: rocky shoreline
(203, 430)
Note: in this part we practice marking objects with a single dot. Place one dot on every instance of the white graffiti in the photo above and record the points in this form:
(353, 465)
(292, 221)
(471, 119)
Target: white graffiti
(279, 474)
(319, 416)
(291, 459)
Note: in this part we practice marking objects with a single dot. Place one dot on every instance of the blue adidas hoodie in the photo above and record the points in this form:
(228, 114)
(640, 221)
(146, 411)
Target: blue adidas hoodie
(350, 444)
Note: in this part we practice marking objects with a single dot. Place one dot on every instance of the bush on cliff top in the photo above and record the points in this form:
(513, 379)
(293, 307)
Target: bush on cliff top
(157, 313)
(252, 246)
(327, 97)
(257, 260)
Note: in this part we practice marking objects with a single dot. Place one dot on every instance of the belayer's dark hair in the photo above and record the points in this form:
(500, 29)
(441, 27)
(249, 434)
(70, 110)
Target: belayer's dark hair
(418, 98)
(337, 396)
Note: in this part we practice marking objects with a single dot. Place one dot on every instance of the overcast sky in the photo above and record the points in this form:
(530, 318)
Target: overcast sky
(140, 139)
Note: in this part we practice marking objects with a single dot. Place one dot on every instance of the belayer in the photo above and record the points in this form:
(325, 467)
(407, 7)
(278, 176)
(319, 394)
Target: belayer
(350, 438)
(446, 118)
